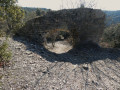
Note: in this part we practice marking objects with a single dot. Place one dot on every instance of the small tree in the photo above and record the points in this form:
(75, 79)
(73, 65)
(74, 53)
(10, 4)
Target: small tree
(11, 14)
(38, 12)
(82, 6)
(5, 54)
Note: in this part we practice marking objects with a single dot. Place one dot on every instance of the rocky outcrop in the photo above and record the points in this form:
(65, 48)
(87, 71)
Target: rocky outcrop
(84, 24)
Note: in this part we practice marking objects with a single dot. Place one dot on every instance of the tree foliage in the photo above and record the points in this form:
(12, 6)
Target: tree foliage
(40, 12)
(5, 55)
(112, 35)
(11, 14)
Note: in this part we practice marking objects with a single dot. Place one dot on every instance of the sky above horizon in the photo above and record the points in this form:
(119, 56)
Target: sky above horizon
(62, 4)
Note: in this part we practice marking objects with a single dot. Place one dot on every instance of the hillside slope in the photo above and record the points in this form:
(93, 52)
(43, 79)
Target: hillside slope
(112, 17)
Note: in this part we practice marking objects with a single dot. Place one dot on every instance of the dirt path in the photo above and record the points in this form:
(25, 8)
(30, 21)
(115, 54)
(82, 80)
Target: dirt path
(34, 68)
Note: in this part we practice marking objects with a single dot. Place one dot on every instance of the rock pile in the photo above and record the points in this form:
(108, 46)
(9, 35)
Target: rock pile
(85, 24)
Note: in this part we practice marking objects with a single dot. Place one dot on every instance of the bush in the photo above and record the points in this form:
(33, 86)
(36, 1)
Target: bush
(2, 33)
(5, 55)
(112, 35)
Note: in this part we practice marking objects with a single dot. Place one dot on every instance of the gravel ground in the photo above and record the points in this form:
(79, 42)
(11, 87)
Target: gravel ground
(35, 68)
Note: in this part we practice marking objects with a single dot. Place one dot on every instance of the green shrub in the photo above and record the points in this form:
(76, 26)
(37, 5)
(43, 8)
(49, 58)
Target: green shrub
(112, 35)
(5, 54)
(2, 33)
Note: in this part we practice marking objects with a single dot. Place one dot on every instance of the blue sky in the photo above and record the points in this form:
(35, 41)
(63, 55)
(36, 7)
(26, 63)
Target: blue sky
(60, 4)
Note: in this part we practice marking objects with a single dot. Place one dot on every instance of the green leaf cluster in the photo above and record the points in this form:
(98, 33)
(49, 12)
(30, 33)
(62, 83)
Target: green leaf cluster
(12, 14)
(15, 16)
(40, 12)
(112, 35)
(5, 54)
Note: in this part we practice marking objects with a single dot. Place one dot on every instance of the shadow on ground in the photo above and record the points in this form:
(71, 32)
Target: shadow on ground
(89, 68)
(86, 54)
